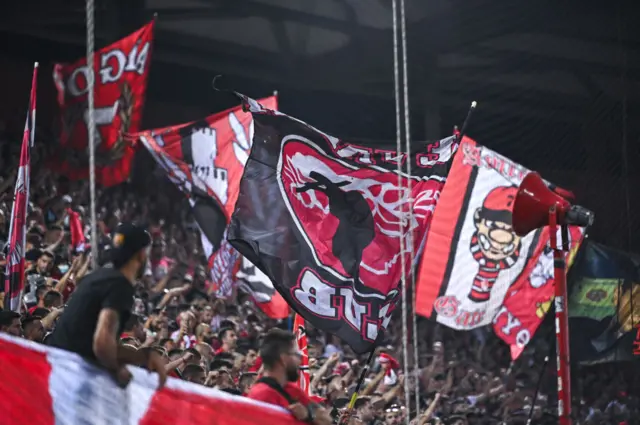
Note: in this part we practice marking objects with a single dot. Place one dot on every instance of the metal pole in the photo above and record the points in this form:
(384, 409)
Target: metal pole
(91, 124)
(562, 320)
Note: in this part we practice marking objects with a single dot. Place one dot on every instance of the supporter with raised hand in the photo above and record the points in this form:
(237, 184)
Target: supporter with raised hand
(95, 316)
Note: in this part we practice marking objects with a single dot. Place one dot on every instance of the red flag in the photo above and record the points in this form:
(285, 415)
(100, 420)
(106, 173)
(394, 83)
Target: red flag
(301, 338)
(205, 159)
(120, 83)
(14, 272)
(77, 234)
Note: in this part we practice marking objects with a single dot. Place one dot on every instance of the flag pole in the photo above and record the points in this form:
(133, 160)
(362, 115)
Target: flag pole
(346, 415)
(90, 11)
(562, 321)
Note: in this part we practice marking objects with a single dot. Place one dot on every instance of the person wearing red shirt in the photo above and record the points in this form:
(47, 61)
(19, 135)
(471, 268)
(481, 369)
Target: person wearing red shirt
(229, 340)
(281, 361)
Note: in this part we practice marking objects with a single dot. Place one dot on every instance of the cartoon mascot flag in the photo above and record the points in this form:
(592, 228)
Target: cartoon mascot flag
(475, 271)
(494, 245)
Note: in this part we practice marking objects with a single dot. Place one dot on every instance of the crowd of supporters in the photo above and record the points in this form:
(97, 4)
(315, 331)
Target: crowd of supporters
(463, 378)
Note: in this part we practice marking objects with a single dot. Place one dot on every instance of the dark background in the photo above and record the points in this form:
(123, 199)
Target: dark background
(558, 83)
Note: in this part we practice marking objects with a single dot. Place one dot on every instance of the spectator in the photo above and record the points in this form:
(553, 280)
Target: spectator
(32, 329)
(229, 340)
(104, 300)
(281, 361)
(10, 323)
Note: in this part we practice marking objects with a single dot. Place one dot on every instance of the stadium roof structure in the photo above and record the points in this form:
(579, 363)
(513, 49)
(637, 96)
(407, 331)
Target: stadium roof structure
(558, 83)
(552, 54)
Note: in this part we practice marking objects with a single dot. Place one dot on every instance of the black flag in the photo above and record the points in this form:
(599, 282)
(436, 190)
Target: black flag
(324, 218)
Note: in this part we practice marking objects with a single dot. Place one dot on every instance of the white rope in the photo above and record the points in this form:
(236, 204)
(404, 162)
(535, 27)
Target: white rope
(407, 135)
(90, 9)
(403, 287)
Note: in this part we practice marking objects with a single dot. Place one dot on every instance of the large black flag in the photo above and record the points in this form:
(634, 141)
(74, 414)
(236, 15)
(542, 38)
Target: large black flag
(323, 218)
(604, 307)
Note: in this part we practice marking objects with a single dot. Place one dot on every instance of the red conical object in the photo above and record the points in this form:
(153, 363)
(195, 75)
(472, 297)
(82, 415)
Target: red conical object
(532, 204)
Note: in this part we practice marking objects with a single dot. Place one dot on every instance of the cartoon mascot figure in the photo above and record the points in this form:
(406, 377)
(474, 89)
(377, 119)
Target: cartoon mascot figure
(494, 245)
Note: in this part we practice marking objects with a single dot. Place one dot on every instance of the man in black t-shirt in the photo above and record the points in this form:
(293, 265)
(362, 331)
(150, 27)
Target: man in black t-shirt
(101, 305)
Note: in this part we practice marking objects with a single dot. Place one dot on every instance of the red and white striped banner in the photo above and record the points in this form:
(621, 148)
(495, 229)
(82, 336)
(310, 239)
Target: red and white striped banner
(45, 386)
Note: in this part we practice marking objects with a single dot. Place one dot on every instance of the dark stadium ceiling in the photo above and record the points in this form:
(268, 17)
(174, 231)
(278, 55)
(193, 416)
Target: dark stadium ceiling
(552, 54)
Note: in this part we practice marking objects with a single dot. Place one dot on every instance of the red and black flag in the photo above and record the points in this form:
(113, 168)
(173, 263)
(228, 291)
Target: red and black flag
(120, 71)
(205, 159)
(254, 282)
(323, 218)
(14, 272)
(300, 331)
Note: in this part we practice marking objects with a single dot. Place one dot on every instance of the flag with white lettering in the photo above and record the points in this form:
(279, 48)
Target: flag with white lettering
(205, 160)
(14, 271)
(323, 219)
(120, 71)
(475, 270)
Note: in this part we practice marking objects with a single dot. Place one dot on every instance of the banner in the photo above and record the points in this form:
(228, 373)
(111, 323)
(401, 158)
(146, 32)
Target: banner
(120, 71)
(300, 331)
(15, 269)
(604, 305)
(205, 159)
(475, 271)
(323, 218)
(253, 281)
(47, 386)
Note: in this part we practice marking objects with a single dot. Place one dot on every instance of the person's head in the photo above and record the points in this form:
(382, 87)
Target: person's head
(246, 381)
(175, 354)
(129, 249)
(134, 327)
(193, 373)
(167, 343)
(203, 333)
(158, 249)
(238, 362)
(280, 354)
(207, 314)
(32, 328)
(205, 350)
(45, 262)
(393, 415)
(365, 409)
(250, 357)
(10, 323)
(52, 299)
(228, 338)
(195, 358)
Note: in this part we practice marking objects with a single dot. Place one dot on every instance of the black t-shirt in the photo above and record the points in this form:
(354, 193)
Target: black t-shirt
(104, 288)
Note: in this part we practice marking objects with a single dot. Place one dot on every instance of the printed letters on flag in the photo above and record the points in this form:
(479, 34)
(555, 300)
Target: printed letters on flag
(323, 219)
(604, 305)
(205, 159)
(14, 271)
(301, 338)
(120, 71)
(475, 270)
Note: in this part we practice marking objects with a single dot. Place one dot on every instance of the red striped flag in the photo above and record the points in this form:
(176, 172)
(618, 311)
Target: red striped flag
(14, 273)
(301, 338)
(77, 234)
